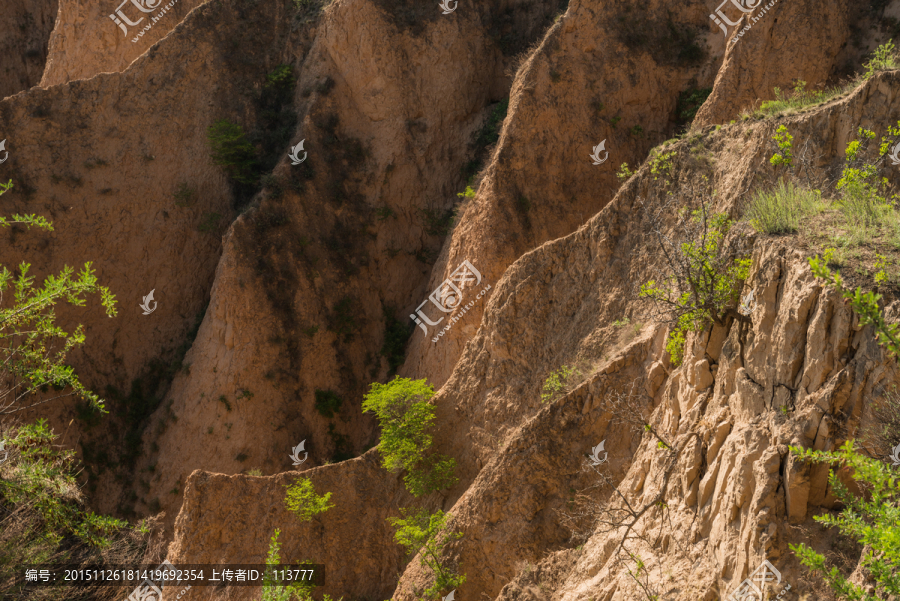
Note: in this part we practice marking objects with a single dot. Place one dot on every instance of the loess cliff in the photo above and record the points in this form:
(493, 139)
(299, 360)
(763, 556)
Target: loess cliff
(432, 140)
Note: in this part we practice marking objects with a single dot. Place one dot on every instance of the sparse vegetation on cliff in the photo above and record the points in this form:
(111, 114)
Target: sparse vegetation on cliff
(303, 501)
(426, 534)
(405, 416)
(701, 288)
(44, 517)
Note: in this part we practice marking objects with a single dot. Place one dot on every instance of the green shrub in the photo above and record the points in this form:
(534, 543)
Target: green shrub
(863, 195)
(327, 403)
(688, 103)
(558, 382)
(405, 415)
(424, 534)
(295, 591)
(303, 501)
(781, 210)
(702, 288)
(396, 337)
(872, 519)
(33, 346)
(44, 518)
(208, 223)
(231, 150)
(624, 173)
(883, 58)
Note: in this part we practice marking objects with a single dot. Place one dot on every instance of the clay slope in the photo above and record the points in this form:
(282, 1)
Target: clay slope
(24, 32)
(103, 159)
(606, 72)
(734, 497)
(308, 292)
(87, 39)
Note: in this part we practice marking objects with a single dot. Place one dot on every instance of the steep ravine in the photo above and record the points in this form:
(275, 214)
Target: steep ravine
(733, 495)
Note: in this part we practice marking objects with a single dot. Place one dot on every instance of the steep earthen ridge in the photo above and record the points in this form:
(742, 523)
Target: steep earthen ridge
(769, 54)
(86, 41)
(582, 85)
(332, 246)
(555, 304)
(230, 519)
(103, 158)
(24, 32)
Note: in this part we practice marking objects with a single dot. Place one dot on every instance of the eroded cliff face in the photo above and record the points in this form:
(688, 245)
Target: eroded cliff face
(105, 37)
(802, 373)
(24, 32)
(298, 287)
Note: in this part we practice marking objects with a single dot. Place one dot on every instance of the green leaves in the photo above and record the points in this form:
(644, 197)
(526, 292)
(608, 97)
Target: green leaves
(231, 150)
(303, 501)
(421, 532)
(33, 346)
(866, 304)
(784, 157)
(703, 287)
(872, 519)
(405, 415)
(557, 382)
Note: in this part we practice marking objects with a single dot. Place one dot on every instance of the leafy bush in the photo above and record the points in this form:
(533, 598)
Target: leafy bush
(43, 517)
(883, 58)
(296, 591)
(863, 196)
(423, 533)
(797, 99)
(872, 519)
(624, 173)
(781, 210)
(396, 335)
(864, 303)
(702, 288)
(33, 346)
(327, 403)
(689, 102)
(303, 501)
(231, 150)
(558, 382)
(405, 415)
